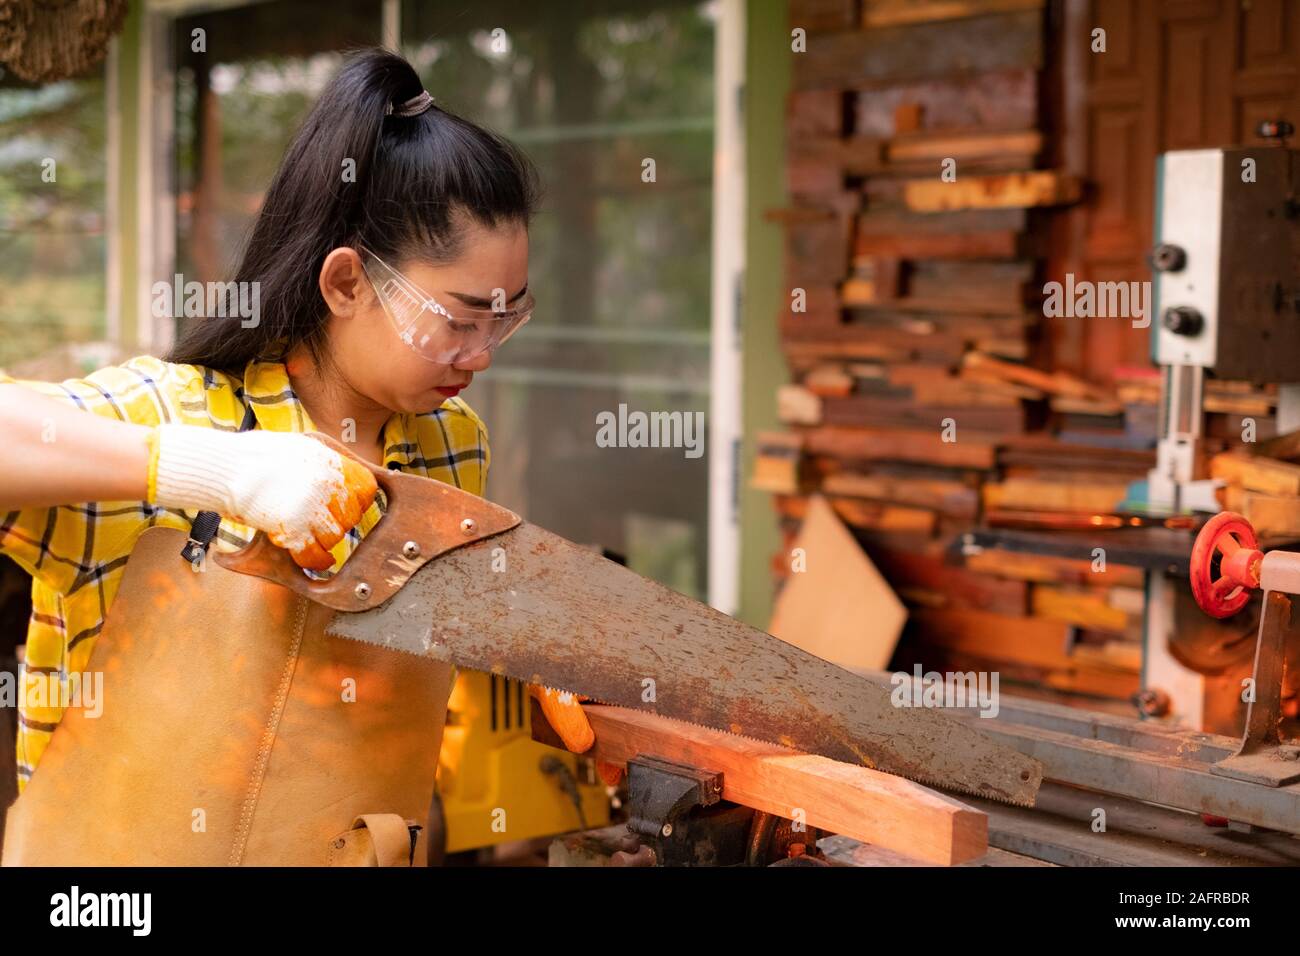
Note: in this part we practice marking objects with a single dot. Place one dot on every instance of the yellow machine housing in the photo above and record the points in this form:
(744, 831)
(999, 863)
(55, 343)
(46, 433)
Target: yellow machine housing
(491, 780)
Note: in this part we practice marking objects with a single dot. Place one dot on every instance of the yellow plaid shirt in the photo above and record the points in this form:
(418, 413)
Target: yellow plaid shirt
(76, 554)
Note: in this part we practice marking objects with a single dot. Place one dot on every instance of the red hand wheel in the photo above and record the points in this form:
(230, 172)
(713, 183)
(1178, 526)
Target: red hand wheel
(1229, 537)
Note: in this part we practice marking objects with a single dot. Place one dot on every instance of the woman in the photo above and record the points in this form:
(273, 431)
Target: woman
(390, 258)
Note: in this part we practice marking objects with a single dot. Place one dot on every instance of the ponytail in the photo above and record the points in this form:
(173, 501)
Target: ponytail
(358, 173)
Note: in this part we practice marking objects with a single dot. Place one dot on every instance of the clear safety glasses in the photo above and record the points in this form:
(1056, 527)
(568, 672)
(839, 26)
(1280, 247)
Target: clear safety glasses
(437, 333)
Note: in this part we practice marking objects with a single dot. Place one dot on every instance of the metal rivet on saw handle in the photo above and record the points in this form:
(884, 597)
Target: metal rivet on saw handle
(411, 549)
(468, 526)
(363, 591)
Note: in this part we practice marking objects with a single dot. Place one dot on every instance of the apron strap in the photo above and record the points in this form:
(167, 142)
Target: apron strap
(375, 839)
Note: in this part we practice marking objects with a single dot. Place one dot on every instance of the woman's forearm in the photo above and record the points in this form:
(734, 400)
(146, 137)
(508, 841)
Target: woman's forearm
(54, 454)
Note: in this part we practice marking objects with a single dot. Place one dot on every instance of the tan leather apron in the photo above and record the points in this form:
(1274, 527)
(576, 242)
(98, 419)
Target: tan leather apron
(233, 732)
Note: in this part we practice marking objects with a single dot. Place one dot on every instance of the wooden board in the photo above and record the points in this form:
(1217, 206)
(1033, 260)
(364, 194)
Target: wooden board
(1282, 446)
(929, 581)
(951, 498)
(1023, 640)
(861, 803)
(839, 608)
(899, 222)
(1256, 473)
(1039, 567)
(888, 13)
(828, 380)
(1269, 514)
(818, 15)
(1028, 494)
(1003, 99)
(899, 444)
(923, 51)
(816, 251)
(814, 113)
(868, 515)
(1018, 190)
(1082, 607)
(873, 411)
(970, 245)
(855, 156)
(962, 146)
(1054, 383)
(796, 405)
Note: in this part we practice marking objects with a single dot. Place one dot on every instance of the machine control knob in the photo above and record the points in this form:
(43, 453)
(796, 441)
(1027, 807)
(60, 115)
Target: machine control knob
(1168, 257)
(1225, 564)
(1278, 129)
(1183, 320)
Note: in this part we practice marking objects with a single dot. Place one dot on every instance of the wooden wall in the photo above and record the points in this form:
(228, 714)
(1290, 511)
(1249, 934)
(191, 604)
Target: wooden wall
(1176, 74)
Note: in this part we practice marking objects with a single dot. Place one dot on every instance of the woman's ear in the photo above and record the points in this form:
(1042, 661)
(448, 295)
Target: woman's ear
(343, 281)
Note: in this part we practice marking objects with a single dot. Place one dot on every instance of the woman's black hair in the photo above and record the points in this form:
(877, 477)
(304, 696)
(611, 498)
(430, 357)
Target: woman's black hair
(402, 185)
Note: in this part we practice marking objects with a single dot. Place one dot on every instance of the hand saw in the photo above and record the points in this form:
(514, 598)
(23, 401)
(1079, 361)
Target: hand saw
(449, 575)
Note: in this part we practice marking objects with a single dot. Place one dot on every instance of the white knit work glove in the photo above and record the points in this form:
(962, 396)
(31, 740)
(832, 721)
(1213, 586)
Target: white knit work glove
(304, 495)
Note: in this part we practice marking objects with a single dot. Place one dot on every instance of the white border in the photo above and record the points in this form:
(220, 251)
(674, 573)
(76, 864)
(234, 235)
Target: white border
(728, 282)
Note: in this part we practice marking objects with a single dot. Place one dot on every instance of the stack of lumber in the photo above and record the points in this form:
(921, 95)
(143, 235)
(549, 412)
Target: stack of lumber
(921, 400)
(918, 181)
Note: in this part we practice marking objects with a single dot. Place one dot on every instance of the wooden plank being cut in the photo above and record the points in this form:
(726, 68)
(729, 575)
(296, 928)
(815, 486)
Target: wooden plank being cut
(1039, 188)
(861, 803)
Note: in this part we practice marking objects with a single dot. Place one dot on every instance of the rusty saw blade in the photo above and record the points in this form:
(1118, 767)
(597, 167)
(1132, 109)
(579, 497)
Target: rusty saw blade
(529, 605)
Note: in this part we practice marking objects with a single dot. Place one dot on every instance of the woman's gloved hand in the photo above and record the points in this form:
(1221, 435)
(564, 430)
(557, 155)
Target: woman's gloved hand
(304, 495)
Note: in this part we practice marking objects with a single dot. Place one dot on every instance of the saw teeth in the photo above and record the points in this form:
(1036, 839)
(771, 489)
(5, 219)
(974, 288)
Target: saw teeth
(991, 794)
(946, 786)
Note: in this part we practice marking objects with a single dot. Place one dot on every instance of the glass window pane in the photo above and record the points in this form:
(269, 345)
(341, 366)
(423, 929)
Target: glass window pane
(614, 102)
(53, 198)
(238, 101)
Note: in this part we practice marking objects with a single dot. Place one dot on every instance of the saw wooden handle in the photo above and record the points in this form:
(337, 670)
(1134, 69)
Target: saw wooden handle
(564, 713)
(423, 519)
